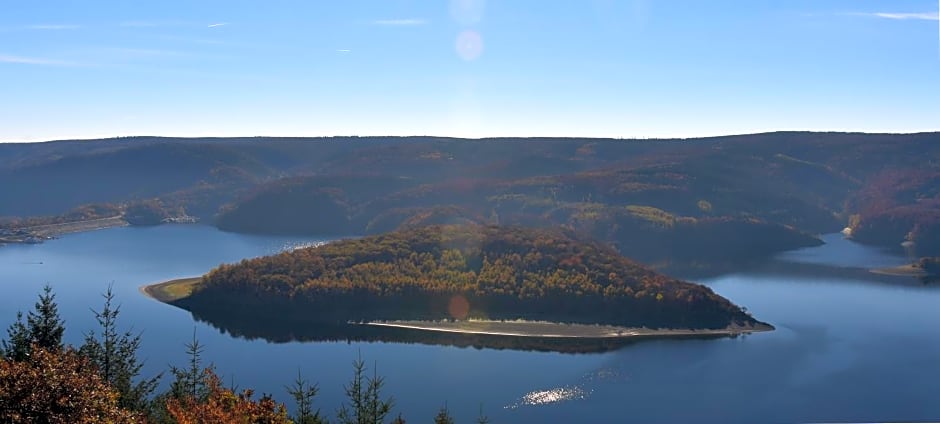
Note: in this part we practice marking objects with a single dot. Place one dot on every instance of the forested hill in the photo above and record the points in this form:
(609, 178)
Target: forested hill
(656, 200)
(461, 271)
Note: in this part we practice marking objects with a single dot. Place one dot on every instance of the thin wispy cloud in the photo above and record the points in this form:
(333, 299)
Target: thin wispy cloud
(24, 60)
(343, 51)
(217, 25)
(400, 22)
(53, 27)
(903, 16)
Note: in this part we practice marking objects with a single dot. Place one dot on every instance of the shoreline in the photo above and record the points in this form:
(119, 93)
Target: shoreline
(171, 290)
(41, 233)
(545, 329)
(55, 230)
(902, 271)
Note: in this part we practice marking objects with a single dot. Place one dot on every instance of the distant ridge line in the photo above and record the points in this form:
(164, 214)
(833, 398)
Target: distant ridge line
(448, 138)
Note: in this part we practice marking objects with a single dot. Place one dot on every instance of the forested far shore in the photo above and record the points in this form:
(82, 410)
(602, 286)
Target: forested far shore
(698, 200)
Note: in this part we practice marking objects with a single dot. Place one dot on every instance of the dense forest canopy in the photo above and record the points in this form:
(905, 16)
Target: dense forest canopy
(465, 271)
(766, 190)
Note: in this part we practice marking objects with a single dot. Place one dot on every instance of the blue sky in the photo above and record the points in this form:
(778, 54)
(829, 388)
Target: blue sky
(468, 68)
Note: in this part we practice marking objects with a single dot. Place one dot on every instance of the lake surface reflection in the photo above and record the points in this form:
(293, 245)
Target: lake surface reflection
(849, 345)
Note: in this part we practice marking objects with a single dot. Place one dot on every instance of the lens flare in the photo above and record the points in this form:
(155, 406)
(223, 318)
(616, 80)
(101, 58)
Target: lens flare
(458, 307)
(469, 45)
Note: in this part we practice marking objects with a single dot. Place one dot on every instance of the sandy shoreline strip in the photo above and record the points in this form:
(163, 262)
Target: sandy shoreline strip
(172, 290)
(557, 330)
(901, 271)
(54, 230)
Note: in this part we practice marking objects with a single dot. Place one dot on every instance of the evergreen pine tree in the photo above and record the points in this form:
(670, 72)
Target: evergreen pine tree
(365, 398)
(115, 356)
(303, 393)
(43, 328)
(443, 416)
(188, 381)
(18, 347)
(45, 325)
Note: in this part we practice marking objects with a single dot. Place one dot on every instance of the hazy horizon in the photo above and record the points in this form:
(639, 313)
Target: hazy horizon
(466, 138)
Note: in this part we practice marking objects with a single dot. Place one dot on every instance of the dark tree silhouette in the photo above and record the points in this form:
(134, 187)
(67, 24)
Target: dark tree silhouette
(43, 328)
(303, 393)
(115, 356)
(364, 396)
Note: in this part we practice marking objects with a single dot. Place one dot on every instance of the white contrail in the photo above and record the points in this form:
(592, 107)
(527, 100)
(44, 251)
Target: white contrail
(925, 16)
(218, 24)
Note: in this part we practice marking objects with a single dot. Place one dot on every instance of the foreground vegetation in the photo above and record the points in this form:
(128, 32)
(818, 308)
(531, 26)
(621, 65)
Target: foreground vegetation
(44, 381)
(459, 272)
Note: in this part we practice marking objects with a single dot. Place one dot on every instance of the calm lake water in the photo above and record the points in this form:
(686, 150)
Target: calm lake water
(848, 346)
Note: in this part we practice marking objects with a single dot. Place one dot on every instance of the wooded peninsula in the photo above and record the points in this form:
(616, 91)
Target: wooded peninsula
(460, 272)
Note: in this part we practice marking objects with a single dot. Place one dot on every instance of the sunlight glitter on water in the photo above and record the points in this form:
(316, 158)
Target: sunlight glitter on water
(545, 397)
(571, 392)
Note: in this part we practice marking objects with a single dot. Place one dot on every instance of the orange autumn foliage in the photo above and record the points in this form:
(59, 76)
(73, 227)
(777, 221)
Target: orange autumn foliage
(57, 387)
(224, 406)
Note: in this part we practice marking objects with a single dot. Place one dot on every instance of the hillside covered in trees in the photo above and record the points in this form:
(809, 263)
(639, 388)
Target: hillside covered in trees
(692, 200)
(468, 271)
